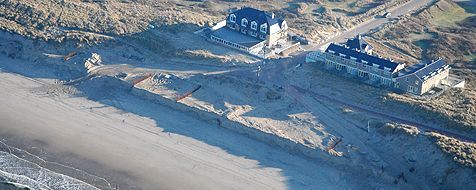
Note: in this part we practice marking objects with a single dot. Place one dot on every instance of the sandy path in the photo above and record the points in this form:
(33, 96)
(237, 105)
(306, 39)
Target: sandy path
(126, 143)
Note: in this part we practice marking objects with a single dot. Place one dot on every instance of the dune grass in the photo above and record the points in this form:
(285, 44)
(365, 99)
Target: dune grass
(449, 18)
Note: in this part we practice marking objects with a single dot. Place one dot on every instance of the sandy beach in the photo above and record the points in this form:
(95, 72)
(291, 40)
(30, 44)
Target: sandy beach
(169, 151)
(126, 146)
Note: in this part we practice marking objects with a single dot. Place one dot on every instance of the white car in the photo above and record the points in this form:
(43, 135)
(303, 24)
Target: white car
(387, 14)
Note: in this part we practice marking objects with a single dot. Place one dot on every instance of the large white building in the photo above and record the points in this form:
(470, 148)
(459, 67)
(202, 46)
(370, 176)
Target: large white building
(251, 30)
(258, 24)
(355, 58)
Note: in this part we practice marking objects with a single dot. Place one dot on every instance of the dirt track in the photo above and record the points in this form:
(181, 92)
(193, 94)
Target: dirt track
(383, 115)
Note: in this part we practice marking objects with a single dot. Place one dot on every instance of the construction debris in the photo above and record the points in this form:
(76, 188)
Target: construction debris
(69, 56)
(333, 143)
(188, 93)
(137, 81)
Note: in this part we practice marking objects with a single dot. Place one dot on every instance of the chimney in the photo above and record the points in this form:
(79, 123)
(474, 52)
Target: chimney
(272, 15)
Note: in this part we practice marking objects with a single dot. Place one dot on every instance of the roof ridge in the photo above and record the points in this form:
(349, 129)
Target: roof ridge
(337, 48)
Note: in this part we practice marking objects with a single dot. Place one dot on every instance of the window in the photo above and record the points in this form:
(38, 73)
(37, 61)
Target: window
(232, 18)
(244, 22)
(386, 81)
(284, 26)
(264, 28)
(254, 26)
(361, 74)
(397, 85)
(261, 36)
(416, 82)
(339, 67)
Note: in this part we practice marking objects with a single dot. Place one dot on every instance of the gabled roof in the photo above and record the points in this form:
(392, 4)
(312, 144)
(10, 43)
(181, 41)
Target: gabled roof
(370, 59)
(422, 70)
(358, 43)
(259, 16)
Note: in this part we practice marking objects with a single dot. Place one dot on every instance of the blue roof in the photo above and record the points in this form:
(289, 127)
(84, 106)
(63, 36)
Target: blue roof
(358, 43)
(259, 16)
(362, 56)
(421, 70)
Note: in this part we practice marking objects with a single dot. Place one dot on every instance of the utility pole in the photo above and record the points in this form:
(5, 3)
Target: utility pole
(368, 126)
(257, 72)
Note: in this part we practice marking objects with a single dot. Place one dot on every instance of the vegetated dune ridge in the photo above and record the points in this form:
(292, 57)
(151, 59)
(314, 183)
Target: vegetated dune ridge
(91, 22)
(86, 20)
(445, 29)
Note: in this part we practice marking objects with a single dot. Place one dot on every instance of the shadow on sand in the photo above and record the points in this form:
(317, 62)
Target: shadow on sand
(299, 172)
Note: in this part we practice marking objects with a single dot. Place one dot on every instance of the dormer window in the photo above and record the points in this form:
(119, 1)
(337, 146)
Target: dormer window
(232, 18)
(244, 22)
(284, 26)
(264, 28)
(254, 26)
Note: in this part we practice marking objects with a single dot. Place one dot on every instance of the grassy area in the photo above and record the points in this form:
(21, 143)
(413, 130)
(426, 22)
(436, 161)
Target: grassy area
(462, 152)
(421, 36)
(470, 58)
(422, 40)
(449, 18)
(350, 8)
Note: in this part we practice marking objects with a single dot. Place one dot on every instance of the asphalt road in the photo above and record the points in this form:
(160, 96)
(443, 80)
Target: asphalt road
(373, 23)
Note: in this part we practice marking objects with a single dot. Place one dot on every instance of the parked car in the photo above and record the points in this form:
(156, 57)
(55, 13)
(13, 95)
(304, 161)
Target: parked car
(387, 14)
